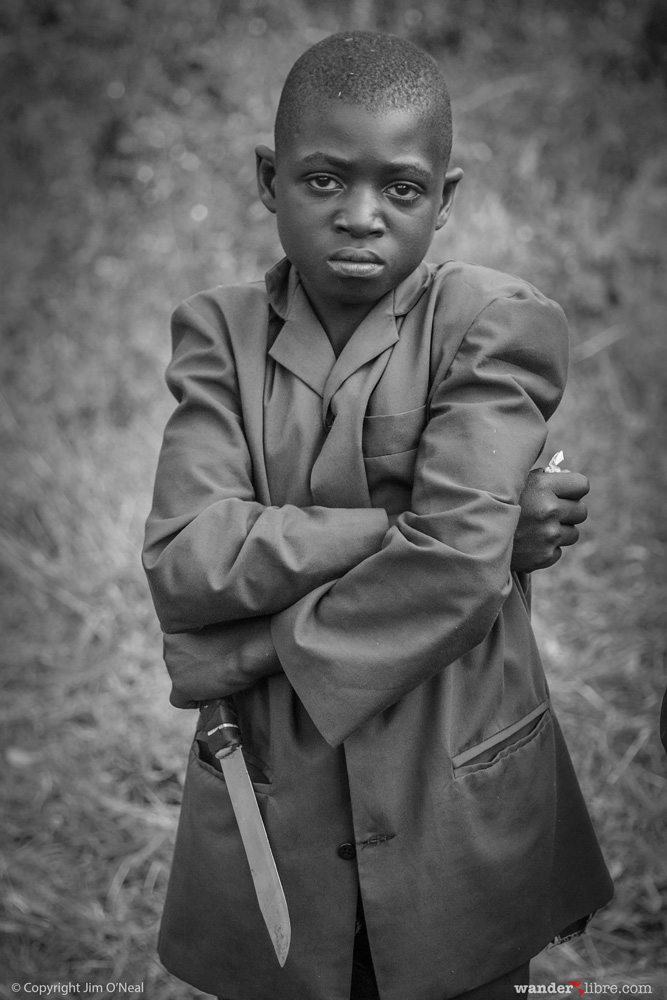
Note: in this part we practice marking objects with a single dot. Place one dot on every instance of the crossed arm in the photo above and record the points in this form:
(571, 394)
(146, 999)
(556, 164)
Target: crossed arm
(224, 658)
(227, 573)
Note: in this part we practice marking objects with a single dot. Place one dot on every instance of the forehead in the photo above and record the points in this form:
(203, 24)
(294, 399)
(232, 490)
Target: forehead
(336, 129)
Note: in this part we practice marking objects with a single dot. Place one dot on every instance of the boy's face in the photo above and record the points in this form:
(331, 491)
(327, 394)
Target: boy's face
(358, 196)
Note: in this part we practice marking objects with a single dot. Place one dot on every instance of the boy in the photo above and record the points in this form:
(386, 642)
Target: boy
(330, 543)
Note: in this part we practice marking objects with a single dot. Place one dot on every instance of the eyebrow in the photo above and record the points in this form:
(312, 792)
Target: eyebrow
(413, 170)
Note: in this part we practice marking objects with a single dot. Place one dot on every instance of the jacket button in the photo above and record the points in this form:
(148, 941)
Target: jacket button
(347, 852)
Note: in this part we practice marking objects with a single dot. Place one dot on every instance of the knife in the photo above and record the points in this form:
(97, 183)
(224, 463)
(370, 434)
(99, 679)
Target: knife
(223, 736)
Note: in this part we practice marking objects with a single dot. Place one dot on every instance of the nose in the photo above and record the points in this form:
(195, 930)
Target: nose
(360, 214)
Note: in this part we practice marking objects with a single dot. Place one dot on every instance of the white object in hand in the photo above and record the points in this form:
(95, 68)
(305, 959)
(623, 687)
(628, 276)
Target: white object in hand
(555, 462)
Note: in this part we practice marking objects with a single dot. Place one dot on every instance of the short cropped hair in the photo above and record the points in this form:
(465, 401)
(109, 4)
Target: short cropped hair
(380, 72)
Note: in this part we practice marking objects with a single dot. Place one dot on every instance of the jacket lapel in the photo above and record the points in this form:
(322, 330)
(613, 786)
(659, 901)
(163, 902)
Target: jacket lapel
(302, 346)
(345, 383)
(375, 334)
(339, 478)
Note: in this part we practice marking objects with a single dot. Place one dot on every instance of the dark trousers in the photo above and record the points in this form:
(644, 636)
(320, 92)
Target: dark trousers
(364, 986)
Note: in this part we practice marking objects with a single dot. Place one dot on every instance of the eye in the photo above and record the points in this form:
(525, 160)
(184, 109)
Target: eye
(323, 182)
(403, 191)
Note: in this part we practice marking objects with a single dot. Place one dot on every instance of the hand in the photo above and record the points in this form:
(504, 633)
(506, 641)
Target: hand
(551, 507)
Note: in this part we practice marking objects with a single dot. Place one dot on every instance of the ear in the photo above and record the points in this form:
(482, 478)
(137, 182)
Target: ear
(266, 176)
(452, 178)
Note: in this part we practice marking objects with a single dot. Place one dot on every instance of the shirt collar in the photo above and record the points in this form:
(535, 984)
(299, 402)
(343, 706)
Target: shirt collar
(303, 347)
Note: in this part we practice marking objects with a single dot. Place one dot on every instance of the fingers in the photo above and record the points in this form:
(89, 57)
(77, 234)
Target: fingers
(567, 485)
(557, 553)
(572, 512)
(557, 496)
(558, 536)
(551, 507)
(568, 488)
(561, 539)
(545, 560)
(568, 535)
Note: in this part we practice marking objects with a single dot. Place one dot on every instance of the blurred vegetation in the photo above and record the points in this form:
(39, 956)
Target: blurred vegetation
(127, 172)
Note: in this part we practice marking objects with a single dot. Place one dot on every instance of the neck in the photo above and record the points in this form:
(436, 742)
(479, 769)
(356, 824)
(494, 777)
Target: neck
(339, 319)
(340, 331)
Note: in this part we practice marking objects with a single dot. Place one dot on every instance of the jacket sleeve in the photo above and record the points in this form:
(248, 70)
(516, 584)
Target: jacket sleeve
(353, 647)
(212, 552)
(219, 660)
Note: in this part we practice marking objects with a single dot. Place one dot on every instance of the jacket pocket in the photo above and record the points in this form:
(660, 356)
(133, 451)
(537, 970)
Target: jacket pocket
(506, 741)
(257, 769)
(393, 433)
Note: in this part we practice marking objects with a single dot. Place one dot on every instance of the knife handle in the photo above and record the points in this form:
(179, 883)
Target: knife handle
(221, 724)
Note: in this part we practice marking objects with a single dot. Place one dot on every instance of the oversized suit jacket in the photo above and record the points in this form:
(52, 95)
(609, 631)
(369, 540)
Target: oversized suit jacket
(330, 543)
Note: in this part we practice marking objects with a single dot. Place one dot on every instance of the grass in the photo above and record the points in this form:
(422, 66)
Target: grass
(118, 201)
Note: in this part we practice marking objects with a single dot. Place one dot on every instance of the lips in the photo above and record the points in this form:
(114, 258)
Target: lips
(353, 263)
(356, 256)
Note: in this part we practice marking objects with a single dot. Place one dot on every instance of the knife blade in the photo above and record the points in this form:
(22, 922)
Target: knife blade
(223, 736)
